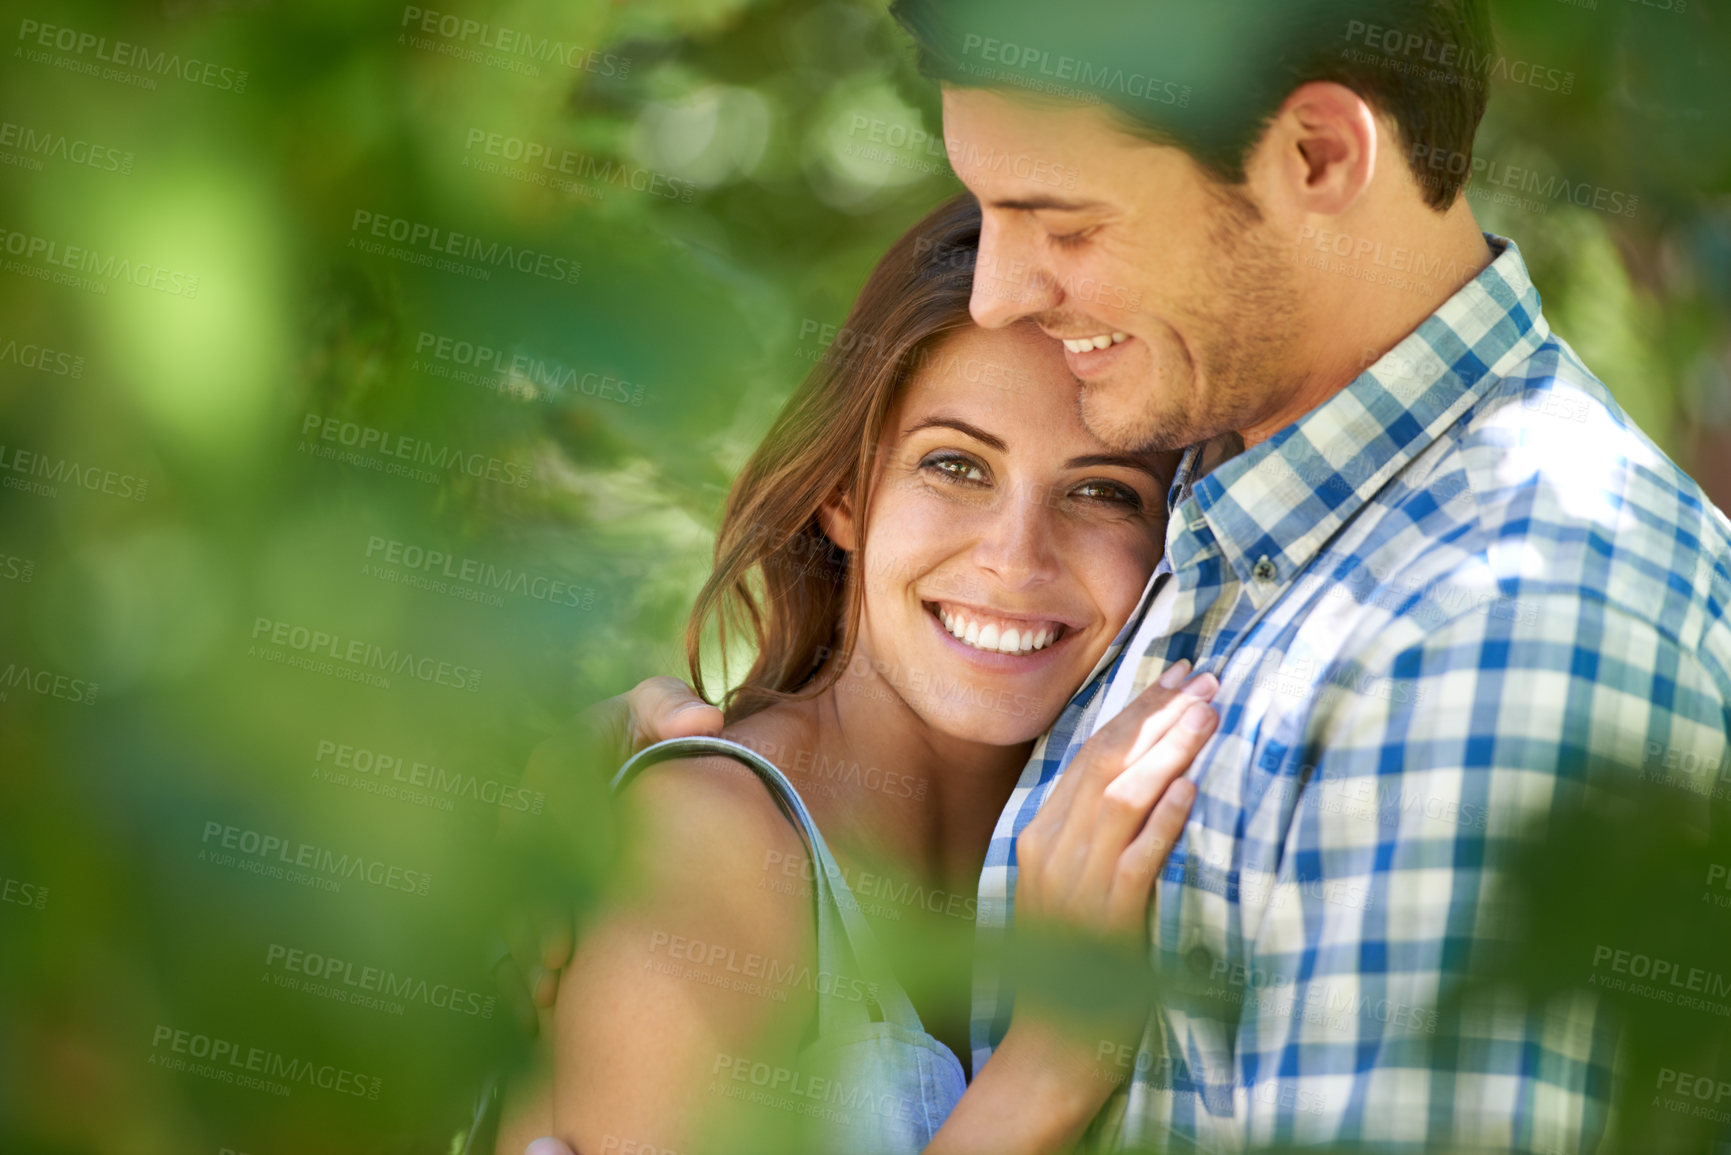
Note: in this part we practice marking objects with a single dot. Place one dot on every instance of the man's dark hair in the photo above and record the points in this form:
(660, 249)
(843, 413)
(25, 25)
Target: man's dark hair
(1208, 75)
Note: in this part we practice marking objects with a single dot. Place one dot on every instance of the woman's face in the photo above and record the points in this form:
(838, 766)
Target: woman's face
(1005, 544)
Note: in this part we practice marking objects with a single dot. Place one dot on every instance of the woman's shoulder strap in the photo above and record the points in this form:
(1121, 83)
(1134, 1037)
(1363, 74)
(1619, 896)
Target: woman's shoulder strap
(786, 797)
(845, 943)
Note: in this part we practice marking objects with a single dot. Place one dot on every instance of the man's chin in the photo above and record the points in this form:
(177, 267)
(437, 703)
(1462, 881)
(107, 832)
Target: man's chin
(1127, 417)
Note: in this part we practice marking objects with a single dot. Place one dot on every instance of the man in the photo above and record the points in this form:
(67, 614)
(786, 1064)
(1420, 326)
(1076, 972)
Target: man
(1443, 573)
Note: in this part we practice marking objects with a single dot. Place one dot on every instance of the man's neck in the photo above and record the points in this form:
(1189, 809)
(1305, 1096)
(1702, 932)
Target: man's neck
(1399, 269)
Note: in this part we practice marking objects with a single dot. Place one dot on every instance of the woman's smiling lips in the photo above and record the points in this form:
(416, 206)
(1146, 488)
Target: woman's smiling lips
(999, 641)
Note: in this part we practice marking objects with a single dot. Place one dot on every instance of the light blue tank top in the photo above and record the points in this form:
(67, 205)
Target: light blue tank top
(872, 1081)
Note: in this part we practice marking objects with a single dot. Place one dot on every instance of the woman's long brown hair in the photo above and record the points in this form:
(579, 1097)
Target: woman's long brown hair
(778, 579)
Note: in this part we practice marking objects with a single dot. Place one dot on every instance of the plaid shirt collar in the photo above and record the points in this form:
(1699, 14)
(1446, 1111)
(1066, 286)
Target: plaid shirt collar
(1270, 509)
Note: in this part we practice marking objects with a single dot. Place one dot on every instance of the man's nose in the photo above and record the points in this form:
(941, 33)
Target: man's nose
(1009, 282)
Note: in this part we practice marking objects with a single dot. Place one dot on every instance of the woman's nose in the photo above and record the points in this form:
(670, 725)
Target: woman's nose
(1017, 544)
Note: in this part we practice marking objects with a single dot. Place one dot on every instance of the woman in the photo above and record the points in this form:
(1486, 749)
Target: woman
(928, 556)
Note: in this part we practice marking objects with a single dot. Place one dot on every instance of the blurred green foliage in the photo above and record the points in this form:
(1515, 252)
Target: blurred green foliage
(199, 597)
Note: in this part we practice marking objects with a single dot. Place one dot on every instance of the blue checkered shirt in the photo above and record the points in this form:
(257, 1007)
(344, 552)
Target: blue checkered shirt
(1425, 601)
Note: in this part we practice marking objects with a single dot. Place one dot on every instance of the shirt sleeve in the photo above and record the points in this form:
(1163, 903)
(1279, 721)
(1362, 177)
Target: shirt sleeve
(1412, 785)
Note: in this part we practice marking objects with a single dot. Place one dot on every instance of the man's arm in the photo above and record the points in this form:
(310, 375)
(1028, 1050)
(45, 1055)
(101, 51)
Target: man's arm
(1413, 787)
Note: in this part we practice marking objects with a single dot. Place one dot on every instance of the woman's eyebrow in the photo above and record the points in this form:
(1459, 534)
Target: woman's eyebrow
(1085, 461)
(1123, 460)
(959, 426)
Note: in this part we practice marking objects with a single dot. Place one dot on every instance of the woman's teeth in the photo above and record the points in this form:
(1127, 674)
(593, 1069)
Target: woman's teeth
(995, 639)
(1084, 344)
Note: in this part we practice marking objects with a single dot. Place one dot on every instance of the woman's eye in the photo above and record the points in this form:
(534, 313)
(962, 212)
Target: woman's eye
(1109, 491)
(957, 469)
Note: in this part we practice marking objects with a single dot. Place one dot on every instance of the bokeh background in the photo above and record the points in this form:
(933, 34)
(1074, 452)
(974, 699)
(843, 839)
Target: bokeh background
(371, 376)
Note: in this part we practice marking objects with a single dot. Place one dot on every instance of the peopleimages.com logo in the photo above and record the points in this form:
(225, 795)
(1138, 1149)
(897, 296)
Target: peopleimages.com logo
(1445, 62)
(512, 48)
(442, 242)
(228, 1061)
(121, 60)
(1026, 66)
(361, 653)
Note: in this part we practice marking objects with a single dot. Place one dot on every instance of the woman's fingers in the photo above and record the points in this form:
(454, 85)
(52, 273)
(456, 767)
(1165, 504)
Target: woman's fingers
(1121, 781)
(1143, 860)
(1114, 744)
(1124, 806)
(1173, 703)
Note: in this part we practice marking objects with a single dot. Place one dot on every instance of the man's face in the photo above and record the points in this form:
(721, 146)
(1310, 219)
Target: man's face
(1176, 303)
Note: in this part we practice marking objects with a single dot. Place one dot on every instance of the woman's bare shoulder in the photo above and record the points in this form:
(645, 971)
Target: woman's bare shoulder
(675, 968)
(709, 838)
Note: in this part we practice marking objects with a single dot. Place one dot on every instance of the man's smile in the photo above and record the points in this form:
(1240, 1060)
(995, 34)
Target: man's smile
(1083, 344)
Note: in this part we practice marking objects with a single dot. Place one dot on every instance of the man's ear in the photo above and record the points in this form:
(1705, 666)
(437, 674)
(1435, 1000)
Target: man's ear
(836, 517)
(1319, 154)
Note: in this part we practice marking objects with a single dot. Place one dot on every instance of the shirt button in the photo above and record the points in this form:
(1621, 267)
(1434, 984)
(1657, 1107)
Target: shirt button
(1264, 570)
(1200, 960)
